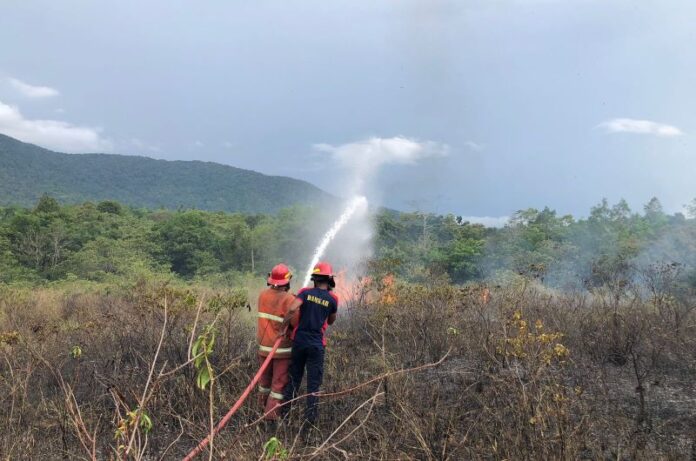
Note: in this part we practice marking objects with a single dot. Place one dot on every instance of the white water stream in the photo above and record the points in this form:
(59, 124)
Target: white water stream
(355, 204)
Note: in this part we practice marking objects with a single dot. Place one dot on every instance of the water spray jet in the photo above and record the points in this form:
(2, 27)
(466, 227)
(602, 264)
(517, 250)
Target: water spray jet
(355, 204)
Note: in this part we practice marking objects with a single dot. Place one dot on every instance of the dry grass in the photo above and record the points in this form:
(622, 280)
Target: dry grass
(530, 375)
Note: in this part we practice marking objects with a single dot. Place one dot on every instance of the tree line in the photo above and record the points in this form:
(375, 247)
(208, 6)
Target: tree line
(106, 240)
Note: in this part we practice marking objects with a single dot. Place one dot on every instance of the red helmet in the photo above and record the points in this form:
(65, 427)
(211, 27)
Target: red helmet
(323, 268)
(279, 276)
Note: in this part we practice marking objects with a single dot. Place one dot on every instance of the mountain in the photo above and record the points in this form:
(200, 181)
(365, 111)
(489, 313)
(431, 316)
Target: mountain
(28, 171)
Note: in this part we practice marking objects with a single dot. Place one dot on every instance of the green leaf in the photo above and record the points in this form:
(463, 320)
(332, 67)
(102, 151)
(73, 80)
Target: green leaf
(209, 349)
(195, 350)
(76, 352)
(273, 448)
(196, 345)
(203, 377)
(145, 422)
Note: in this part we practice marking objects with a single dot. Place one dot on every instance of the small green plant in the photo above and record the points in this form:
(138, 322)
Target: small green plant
(125, 425)
(76, 352)
(145, 422)
(273, 450)
(202, 350)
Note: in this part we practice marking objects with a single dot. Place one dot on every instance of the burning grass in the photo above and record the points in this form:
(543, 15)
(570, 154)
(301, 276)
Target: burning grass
(527, 374)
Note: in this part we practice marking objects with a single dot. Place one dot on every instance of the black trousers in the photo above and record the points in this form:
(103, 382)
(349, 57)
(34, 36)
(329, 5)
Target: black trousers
(311, 357)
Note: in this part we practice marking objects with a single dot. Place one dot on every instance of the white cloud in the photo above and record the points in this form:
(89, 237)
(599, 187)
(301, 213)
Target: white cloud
(375, 152)
(488, 221)
(198, 144)
(32, 91)
(52, 134)
(363, 159)
(629, 125)
(227, 145)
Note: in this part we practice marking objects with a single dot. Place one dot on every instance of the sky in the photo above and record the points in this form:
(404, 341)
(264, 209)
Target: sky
(523, 103)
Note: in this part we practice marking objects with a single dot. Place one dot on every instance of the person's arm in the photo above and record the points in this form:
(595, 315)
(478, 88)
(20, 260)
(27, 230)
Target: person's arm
(334, 311)
(290, 314)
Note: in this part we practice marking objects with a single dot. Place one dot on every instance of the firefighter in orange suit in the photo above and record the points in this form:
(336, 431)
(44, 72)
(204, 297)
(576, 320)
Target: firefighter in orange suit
(274, 303)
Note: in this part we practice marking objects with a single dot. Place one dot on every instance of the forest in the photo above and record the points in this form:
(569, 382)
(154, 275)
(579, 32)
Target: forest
(106, 241)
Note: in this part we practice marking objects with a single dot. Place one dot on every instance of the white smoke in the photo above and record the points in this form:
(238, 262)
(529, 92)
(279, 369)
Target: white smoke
(347, 244)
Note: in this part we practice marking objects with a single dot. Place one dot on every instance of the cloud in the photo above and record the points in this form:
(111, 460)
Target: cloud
(363, 159)
(629, 125)
(31, 91)
(198, 144)
(52, 134)
(375, 152)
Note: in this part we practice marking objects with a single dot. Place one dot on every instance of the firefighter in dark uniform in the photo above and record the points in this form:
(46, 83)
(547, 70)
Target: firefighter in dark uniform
(312, 312)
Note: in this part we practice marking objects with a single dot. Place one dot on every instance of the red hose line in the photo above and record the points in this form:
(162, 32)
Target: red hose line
(237, 404)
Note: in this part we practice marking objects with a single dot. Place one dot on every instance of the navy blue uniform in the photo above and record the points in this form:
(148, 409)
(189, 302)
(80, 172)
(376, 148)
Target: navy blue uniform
(308, 344)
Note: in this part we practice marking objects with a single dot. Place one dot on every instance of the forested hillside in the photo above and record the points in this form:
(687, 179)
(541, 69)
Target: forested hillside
(27, 172)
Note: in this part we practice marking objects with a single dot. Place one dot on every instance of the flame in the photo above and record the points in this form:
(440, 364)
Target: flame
(485, 295)
(388, 292)
(477, 291)
(349, 288)
(364, 290)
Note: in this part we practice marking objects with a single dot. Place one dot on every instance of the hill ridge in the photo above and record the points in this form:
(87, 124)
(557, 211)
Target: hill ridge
(28, 171)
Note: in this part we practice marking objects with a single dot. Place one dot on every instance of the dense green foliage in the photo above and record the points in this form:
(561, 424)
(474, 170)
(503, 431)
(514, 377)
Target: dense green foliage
(106, 240)
(612, 243)
(420, 246)
(28, 171)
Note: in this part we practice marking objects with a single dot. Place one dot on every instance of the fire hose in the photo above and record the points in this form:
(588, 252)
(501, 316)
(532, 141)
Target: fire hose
(223, 422)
